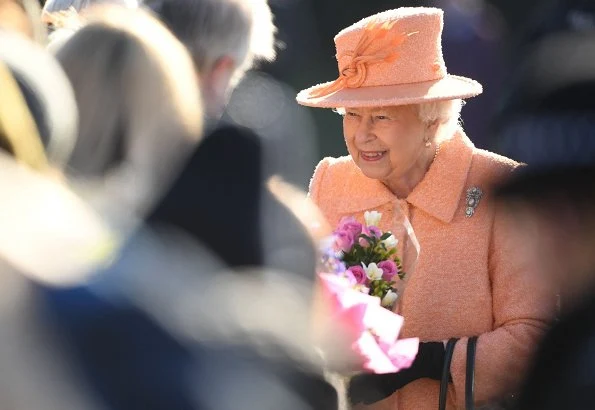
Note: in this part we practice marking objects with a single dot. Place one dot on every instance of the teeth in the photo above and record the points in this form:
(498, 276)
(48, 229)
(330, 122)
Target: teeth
(372, 154)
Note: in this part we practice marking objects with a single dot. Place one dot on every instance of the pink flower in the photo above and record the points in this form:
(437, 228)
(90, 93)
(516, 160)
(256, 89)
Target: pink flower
(363, 242)
(349, 224)
(344, 240)
(389, 270)
(359, 274)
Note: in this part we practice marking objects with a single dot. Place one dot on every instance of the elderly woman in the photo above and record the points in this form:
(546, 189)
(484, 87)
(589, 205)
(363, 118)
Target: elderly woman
(408, 154)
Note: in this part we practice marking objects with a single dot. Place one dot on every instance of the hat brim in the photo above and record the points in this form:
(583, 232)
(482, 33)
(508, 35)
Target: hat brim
(449, 87)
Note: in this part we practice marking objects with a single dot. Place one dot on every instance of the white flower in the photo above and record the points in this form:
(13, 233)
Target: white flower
(373, 272)
(372, 218)
(390, 242)
(389, 299)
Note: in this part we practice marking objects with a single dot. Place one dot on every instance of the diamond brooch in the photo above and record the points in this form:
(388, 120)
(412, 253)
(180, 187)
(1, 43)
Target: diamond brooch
(474, 195)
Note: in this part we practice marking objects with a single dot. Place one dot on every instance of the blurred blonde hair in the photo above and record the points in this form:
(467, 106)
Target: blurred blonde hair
(137, 93)
(18, 132)
(37, 103)
(211, 29)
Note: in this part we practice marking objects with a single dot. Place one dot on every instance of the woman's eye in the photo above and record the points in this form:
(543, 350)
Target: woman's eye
(351, 114)
(382, 117)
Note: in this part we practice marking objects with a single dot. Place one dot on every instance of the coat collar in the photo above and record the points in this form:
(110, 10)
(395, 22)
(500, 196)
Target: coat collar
(438, 193)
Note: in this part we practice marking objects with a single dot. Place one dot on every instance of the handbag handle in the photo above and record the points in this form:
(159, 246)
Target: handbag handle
(470, 376)
(450, 347)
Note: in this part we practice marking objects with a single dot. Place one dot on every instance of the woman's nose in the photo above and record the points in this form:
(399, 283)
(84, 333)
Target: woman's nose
(363, 133)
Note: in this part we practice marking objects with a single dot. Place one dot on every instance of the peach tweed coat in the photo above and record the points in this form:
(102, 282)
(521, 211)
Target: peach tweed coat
(470, 277)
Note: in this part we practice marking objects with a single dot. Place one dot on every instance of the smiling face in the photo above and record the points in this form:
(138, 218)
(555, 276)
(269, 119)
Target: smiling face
(387, 143)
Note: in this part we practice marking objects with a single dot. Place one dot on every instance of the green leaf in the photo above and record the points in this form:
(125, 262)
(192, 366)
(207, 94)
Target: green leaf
(385, 235)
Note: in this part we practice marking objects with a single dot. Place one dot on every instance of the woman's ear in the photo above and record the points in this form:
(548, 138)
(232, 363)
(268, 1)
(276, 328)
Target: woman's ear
(215, 84)
(432, 127)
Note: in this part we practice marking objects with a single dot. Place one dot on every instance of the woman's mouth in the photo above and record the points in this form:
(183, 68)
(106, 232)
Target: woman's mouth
(372, 155)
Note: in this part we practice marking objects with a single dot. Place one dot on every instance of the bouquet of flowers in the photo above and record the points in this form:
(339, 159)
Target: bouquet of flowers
(366, 257)
(361, 279)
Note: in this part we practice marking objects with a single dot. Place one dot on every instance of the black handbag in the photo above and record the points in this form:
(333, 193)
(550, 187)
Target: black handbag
(469, 377)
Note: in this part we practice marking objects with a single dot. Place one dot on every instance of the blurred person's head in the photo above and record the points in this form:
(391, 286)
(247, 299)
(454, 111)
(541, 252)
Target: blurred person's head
(224, 37)
(38, 113)
(139, 105)
(22, 16)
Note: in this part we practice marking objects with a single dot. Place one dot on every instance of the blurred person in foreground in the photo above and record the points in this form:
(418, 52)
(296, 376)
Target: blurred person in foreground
(140, 111)
(138, 326)
(226, 38)
(263, 215)
(48, 234)
(553, 202)
(409, 154)
(139, 114)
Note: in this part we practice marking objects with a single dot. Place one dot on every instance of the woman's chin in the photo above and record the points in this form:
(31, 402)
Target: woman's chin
(373, 172)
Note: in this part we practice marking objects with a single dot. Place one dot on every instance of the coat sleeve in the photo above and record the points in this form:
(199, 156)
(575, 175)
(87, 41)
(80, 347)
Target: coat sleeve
(524, 305)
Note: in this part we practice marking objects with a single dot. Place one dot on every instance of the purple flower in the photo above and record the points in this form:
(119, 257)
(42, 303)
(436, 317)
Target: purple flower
(359, 274)
(372, 231)
(389, 270)
(343, 240)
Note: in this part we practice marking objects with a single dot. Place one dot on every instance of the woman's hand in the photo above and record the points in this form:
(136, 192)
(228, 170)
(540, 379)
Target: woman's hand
(370, 388)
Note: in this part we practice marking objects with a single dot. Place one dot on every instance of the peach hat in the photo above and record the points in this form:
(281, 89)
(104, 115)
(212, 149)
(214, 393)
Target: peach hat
(391, 58)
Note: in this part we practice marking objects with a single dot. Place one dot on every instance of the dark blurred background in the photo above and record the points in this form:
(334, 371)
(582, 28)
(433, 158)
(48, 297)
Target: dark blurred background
(484, 40)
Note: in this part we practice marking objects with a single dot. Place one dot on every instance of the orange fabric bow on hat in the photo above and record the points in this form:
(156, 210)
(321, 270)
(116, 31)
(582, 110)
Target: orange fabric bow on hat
(378, 44)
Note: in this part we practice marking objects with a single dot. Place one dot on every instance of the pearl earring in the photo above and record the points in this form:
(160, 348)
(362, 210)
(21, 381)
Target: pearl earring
(428, 143)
